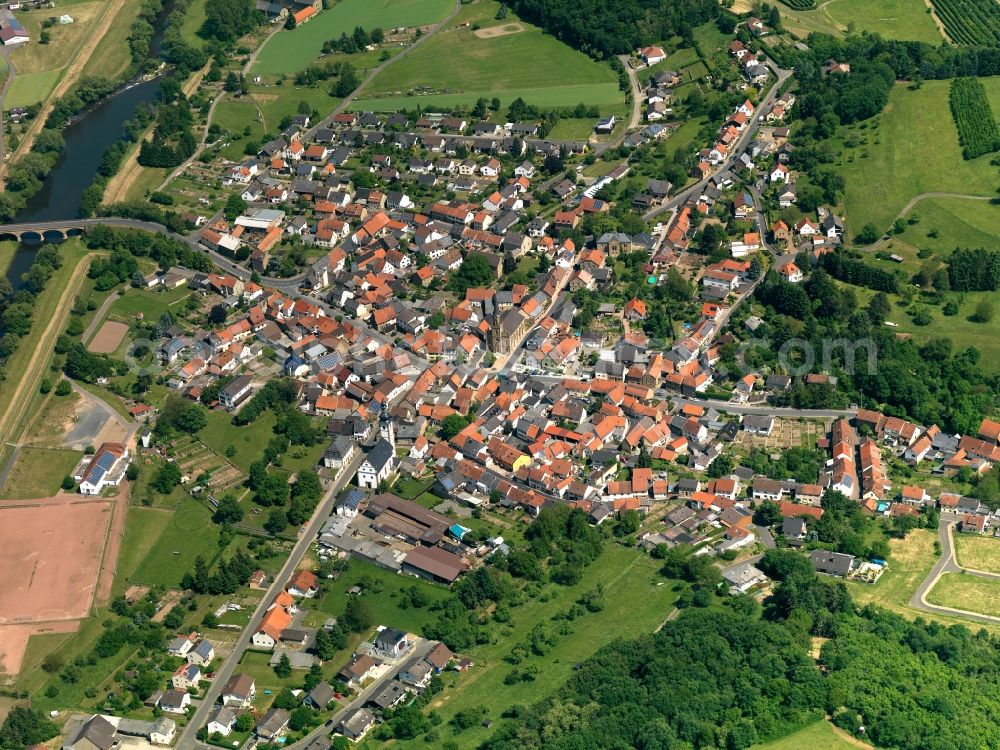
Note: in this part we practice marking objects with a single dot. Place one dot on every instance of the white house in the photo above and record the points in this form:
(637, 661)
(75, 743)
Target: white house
(791, 273)
(779, 174)
(239, 692)
(652, 55)
(106, 469)
(221, 720)
(378, 465)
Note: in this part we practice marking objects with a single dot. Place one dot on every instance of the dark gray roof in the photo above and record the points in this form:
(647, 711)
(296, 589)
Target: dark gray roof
(380, 454)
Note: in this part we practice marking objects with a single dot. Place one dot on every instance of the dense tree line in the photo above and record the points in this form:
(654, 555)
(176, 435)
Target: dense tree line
(166, 251)
(842, 266)
(173, 138)
(25, 726)
(228, 20)
(930, 383)
(974, 270)
(603, 29)
(228, 577)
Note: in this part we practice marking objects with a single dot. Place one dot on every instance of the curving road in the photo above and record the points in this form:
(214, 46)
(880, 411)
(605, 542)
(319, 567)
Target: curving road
(947, 563)
(745, 140)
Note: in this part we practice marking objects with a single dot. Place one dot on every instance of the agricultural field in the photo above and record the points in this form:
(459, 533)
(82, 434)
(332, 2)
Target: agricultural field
(819, 736)
(970, 21)
(241, 119)
(459, 65)
(641, 602)
(65, 39)
(910, 149)
(978, 552)
(978, 132)
(967, 592)
(188, 534)
(291, 51)
(893, 19)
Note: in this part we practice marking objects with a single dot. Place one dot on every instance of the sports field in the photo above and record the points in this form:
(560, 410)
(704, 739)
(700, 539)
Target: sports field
(967, 592)
(978, 552)
(893, 19)
(291, 51)
(819, 736)
(913, 150)
(457, 67)
(50, 555)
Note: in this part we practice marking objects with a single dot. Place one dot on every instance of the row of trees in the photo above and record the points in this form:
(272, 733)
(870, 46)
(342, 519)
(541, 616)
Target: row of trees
(975, 270)
(978, 132)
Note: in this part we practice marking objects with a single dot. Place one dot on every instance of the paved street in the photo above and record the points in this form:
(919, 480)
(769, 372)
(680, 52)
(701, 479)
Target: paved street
(948, 564)
(228, 667)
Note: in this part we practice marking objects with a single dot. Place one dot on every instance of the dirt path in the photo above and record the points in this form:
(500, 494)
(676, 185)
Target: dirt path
(72, 72)
(120, 185)
(112, 544)
(43, 346)
(850, 739)
(937, 21)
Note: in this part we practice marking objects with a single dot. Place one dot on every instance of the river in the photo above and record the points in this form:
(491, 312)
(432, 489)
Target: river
(86, 139)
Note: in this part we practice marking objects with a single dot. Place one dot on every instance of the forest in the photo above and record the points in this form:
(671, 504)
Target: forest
(739, 675)
(602, 29)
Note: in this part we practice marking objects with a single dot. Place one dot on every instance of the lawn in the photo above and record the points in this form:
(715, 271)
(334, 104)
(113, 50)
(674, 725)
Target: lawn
(31, 88)
(143, 528)
(967, 592)
(909, 563)
(189, 533)
(978, 552)
(913, 150)
(893, 19)
(236, 116)
(819, 736)
(291, 51)
(955, 222)
(38, 472)
(276, 102)
(194, 17)
(457, 67)
(150, 304)
(381, 589)
(637, 602)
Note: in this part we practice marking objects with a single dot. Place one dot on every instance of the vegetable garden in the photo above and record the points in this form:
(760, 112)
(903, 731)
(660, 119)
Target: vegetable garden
(970, 21)
(800, 4)
(978, 132)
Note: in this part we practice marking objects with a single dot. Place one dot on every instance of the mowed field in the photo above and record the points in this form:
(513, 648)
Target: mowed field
(459, 65)
(31, 88)
(893, 19)
(947, 223)
(967, 592)
(913, 150)
(978, 552)
(819, 736)
(910, 562)
(189, 534)
(291, 51)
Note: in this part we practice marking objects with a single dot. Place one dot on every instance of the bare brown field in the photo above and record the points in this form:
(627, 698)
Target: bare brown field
(108, 338)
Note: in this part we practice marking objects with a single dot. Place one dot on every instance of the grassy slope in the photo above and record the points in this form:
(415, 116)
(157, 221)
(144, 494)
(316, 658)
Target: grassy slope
(634, 602)
(913, 150)
(967, 592)
(112, 54)
(818, 736)
(290, 51)
(894, 19)
(978, 552)
(957, 222)
(463, 67)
